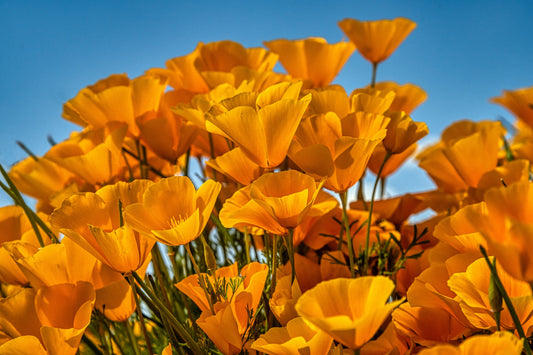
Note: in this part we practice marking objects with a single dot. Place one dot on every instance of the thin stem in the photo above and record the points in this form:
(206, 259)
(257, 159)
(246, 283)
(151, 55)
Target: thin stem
(159, 268)
(289, 242)
(152, 169)
(247, 245)
(26, 211)
(346, 226)
(274, 264)
(370, 209)
(140, 313)
(27, 150)
(507, 301)
(201, 280)
(182, 332)
(131, 337)
(94, 348)
(374, 72)
(187, 162)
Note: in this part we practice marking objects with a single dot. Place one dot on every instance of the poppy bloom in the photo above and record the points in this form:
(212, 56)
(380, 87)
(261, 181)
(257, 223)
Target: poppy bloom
(402, 132)
(94, 155)
(408, 96)
(236, 309)
(93, 220)
(297, 337)
(498, 343)
(275, 202)
(472, 289)
(312, 59)
(518, 102)
(322, 149)
(59, 329)
(506, 223)
(376, 40)
(349, 310)
(116, 98)
(172, 211)
(262, 127)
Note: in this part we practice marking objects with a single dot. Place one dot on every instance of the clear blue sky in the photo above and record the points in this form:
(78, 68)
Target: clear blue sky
(462, 53)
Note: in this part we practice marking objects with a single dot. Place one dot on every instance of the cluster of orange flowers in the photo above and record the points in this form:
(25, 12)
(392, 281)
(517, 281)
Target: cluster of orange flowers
(123, 254)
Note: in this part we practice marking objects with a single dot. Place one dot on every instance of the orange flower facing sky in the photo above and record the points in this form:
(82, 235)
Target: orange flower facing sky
(263, 128)
(377, 40)
(350, 310)
(93, 220)
(312, 59)
(275, 202)
(172, 211)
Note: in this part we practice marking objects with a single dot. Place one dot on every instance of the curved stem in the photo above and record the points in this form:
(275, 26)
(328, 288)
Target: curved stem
(290, 250)
(507, 301)
(131, 280)
(370, 209)
(201, 279)
(183, 333)
(346, 226)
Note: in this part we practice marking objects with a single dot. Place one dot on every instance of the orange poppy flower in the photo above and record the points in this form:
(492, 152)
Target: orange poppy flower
(93, 155)
(60, 329)
(518, 102)
(172, 211)
(505, 222)
(472, 289)
(428, 326)
(40, 178)
(263, 128)
(467, 151)
(297, 337)
(376, 40)
(274, 202)
(93, 220)
(284, 299)
(236, 165)
(393, 163)
(226, 328)
(408, 96)
(312, 59)
(321, 149)
(334, 306)
(329, 99)
(371, 100)
(116, 98)
(402, 132)
(498, 343)
(166, 134)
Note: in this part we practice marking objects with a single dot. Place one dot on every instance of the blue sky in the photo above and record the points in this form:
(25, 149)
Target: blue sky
(462, 53)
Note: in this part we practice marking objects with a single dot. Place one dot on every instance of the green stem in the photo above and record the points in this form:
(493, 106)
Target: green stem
(370, 209)
(374, 72)
(346, 225)
(94, 348)
(34, 219)
(274, 265)
(182, 332)
(140, 313)
(507, 301)
(247, 245)
(132, 338)
(361, 191)
(27, 150)
(290, 250)
(201, 279)
(187, 160)
(159, 269)
(152, 169)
